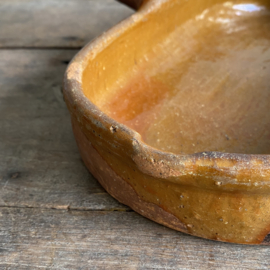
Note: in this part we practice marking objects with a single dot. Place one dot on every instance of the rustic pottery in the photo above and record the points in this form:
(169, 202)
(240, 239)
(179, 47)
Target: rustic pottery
(170, 110)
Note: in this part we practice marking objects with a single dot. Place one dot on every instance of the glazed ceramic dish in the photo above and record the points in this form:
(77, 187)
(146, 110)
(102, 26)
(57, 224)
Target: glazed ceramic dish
(170, 110)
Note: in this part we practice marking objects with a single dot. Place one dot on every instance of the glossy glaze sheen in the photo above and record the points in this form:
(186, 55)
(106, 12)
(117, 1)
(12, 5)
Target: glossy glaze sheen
(205, 87)
(215, 195)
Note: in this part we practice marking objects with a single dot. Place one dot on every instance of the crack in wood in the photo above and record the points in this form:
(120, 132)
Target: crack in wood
(68, 208)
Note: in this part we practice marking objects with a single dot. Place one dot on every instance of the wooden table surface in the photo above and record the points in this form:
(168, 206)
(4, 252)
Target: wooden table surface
(53, 213)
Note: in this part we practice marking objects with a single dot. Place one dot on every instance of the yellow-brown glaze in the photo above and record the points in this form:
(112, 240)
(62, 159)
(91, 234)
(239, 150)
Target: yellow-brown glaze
(206, 86)
(211, 212)
(214, 195)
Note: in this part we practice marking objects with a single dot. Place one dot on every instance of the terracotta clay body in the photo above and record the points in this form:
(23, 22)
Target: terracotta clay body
(170, 110)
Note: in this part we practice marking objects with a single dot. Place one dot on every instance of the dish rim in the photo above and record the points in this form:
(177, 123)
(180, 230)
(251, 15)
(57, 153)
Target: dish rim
(167, 165)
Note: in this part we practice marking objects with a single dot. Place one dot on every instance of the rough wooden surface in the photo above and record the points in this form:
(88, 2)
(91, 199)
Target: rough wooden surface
(39, 162)
(56, 23)
(58, 239)
(53, 213)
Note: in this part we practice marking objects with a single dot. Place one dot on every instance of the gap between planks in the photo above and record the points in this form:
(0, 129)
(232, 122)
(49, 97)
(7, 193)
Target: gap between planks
(68, 208)
(40, 48)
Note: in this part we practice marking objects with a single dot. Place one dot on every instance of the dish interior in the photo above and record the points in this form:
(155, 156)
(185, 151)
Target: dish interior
(202, 85)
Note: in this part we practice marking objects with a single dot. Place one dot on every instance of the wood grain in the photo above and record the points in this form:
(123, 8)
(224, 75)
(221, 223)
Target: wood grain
(56, 23)
(39, 162)
(57, 239)
(53, 213)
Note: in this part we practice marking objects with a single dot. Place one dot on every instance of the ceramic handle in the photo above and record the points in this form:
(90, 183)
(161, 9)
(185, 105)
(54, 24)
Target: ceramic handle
(135, 4)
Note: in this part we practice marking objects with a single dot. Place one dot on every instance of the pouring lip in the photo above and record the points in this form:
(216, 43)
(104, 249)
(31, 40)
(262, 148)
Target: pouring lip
(228, 172)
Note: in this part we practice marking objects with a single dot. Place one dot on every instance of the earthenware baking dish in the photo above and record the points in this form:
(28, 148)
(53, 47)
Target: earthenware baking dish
(170, 111)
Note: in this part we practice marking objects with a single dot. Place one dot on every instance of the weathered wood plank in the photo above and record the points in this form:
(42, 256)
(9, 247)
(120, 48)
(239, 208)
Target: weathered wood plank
(39, 162)
(56, 23)
(40, 166)
(57, 239)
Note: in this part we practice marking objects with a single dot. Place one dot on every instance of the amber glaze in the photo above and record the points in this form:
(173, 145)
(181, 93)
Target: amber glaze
(206, 87)
(170, 110)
